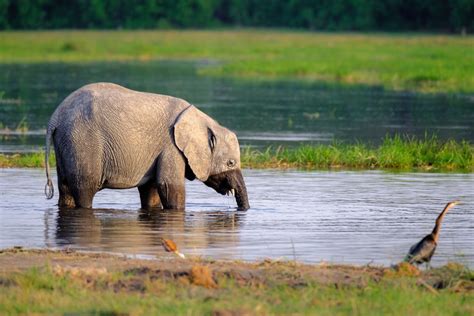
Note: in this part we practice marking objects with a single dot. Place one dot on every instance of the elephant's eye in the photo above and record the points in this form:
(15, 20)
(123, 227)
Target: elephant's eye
(231, 163)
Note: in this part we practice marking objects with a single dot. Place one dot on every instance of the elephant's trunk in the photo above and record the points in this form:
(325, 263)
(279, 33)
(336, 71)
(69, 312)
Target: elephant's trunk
(238, 184)
(231, 182)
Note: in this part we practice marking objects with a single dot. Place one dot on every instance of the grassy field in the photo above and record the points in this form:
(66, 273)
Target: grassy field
(46, 282)
(395, 153)
(416, 62)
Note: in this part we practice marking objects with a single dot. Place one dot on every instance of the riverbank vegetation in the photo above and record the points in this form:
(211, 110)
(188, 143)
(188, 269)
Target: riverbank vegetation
(414, 62)
(395, 153)
(68, 282)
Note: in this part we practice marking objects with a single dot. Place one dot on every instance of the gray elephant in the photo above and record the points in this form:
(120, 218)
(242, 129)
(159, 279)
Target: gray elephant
(107, 136)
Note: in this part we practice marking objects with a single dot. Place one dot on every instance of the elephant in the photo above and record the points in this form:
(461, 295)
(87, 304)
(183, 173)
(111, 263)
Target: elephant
(108, 136)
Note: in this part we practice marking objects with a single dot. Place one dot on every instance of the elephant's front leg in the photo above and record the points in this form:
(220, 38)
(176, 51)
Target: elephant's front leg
(173, 196)
(149, 195)
(170, 180)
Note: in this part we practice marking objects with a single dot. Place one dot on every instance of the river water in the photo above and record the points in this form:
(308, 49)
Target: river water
(342, 217)
(261, 112)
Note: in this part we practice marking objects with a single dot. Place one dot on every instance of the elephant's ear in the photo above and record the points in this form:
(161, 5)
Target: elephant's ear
(193, 137)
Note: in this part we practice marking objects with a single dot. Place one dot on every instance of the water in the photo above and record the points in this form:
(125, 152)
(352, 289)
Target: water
(262, 113)
(342, 217)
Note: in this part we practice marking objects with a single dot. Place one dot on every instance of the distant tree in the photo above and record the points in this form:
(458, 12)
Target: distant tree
(27, 14)
(390, 15)
(190, 13)
(4, 14)
(462, 15)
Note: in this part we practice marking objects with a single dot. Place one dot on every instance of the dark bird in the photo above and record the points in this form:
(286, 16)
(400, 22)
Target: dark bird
(424, 250)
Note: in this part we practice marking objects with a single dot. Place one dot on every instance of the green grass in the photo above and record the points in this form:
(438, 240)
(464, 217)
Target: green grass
(28, 160)
(416, 62)
(395, 153)
(399, 153)
(44, 290)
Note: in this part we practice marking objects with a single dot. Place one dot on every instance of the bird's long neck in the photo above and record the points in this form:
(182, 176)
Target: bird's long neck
(435, 232)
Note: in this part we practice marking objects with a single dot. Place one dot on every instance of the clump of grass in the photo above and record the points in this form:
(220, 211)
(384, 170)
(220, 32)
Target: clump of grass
(69, 47)
(428, 153)
(397, 152)
(28, 160)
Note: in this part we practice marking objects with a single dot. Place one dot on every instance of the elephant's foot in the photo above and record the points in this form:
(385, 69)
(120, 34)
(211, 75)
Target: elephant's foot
(151, 202)
(172, 196)
(149, 196)
(66, 201)
(83, 198)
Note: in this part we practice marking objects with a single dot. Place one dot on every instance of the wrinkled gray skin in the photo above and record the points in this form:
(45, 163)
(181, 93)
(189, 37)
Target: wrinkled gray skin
(107, 136)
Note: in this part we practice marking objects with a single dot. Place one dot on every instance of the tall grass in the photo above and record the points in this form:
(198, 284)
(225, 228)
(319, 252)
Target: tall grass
(398, 152)
(417, 62)
(28, 160)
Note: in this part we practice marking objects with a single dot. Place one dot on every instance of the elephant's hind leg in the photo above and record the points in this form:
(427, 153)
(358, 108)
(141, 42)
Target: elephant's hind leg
(84, 196)
(66, 200)
(83, 190)
(149, 196)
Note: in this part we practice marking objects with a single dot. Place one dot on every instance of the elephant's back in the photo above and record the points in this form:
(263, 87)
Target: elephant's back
(97, 99)
(110, 107)
(127, 128)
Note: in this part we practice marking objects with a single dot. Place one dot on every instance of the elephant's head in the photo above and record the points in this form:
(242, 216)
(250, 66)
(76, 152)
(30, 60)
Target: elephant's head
(212, 153)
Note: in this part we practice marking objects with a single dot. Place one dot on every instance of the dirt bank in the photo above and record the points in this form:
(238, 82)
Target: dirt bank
(265, 272)
(69, 282)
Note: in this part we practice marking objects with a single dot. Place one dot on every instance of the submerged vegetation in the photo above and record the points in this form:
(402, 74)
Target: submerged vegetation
(100, 284)
(426, 63)
(397, 153)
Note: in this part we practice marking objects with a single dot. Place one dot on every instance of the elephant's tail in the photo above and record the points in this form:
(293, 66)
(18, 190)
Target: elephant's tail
(48, 188)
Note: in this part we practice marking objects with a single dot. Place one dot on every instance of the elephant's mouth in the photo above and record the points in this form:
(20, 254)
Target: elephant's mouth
(230, 192)
(225, 191)
(230, 183)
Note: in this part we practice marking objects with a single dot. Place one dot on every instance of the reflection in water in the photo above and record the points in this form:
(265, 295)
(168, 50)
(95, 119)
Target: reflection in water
(124, 231)
(311, 216)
